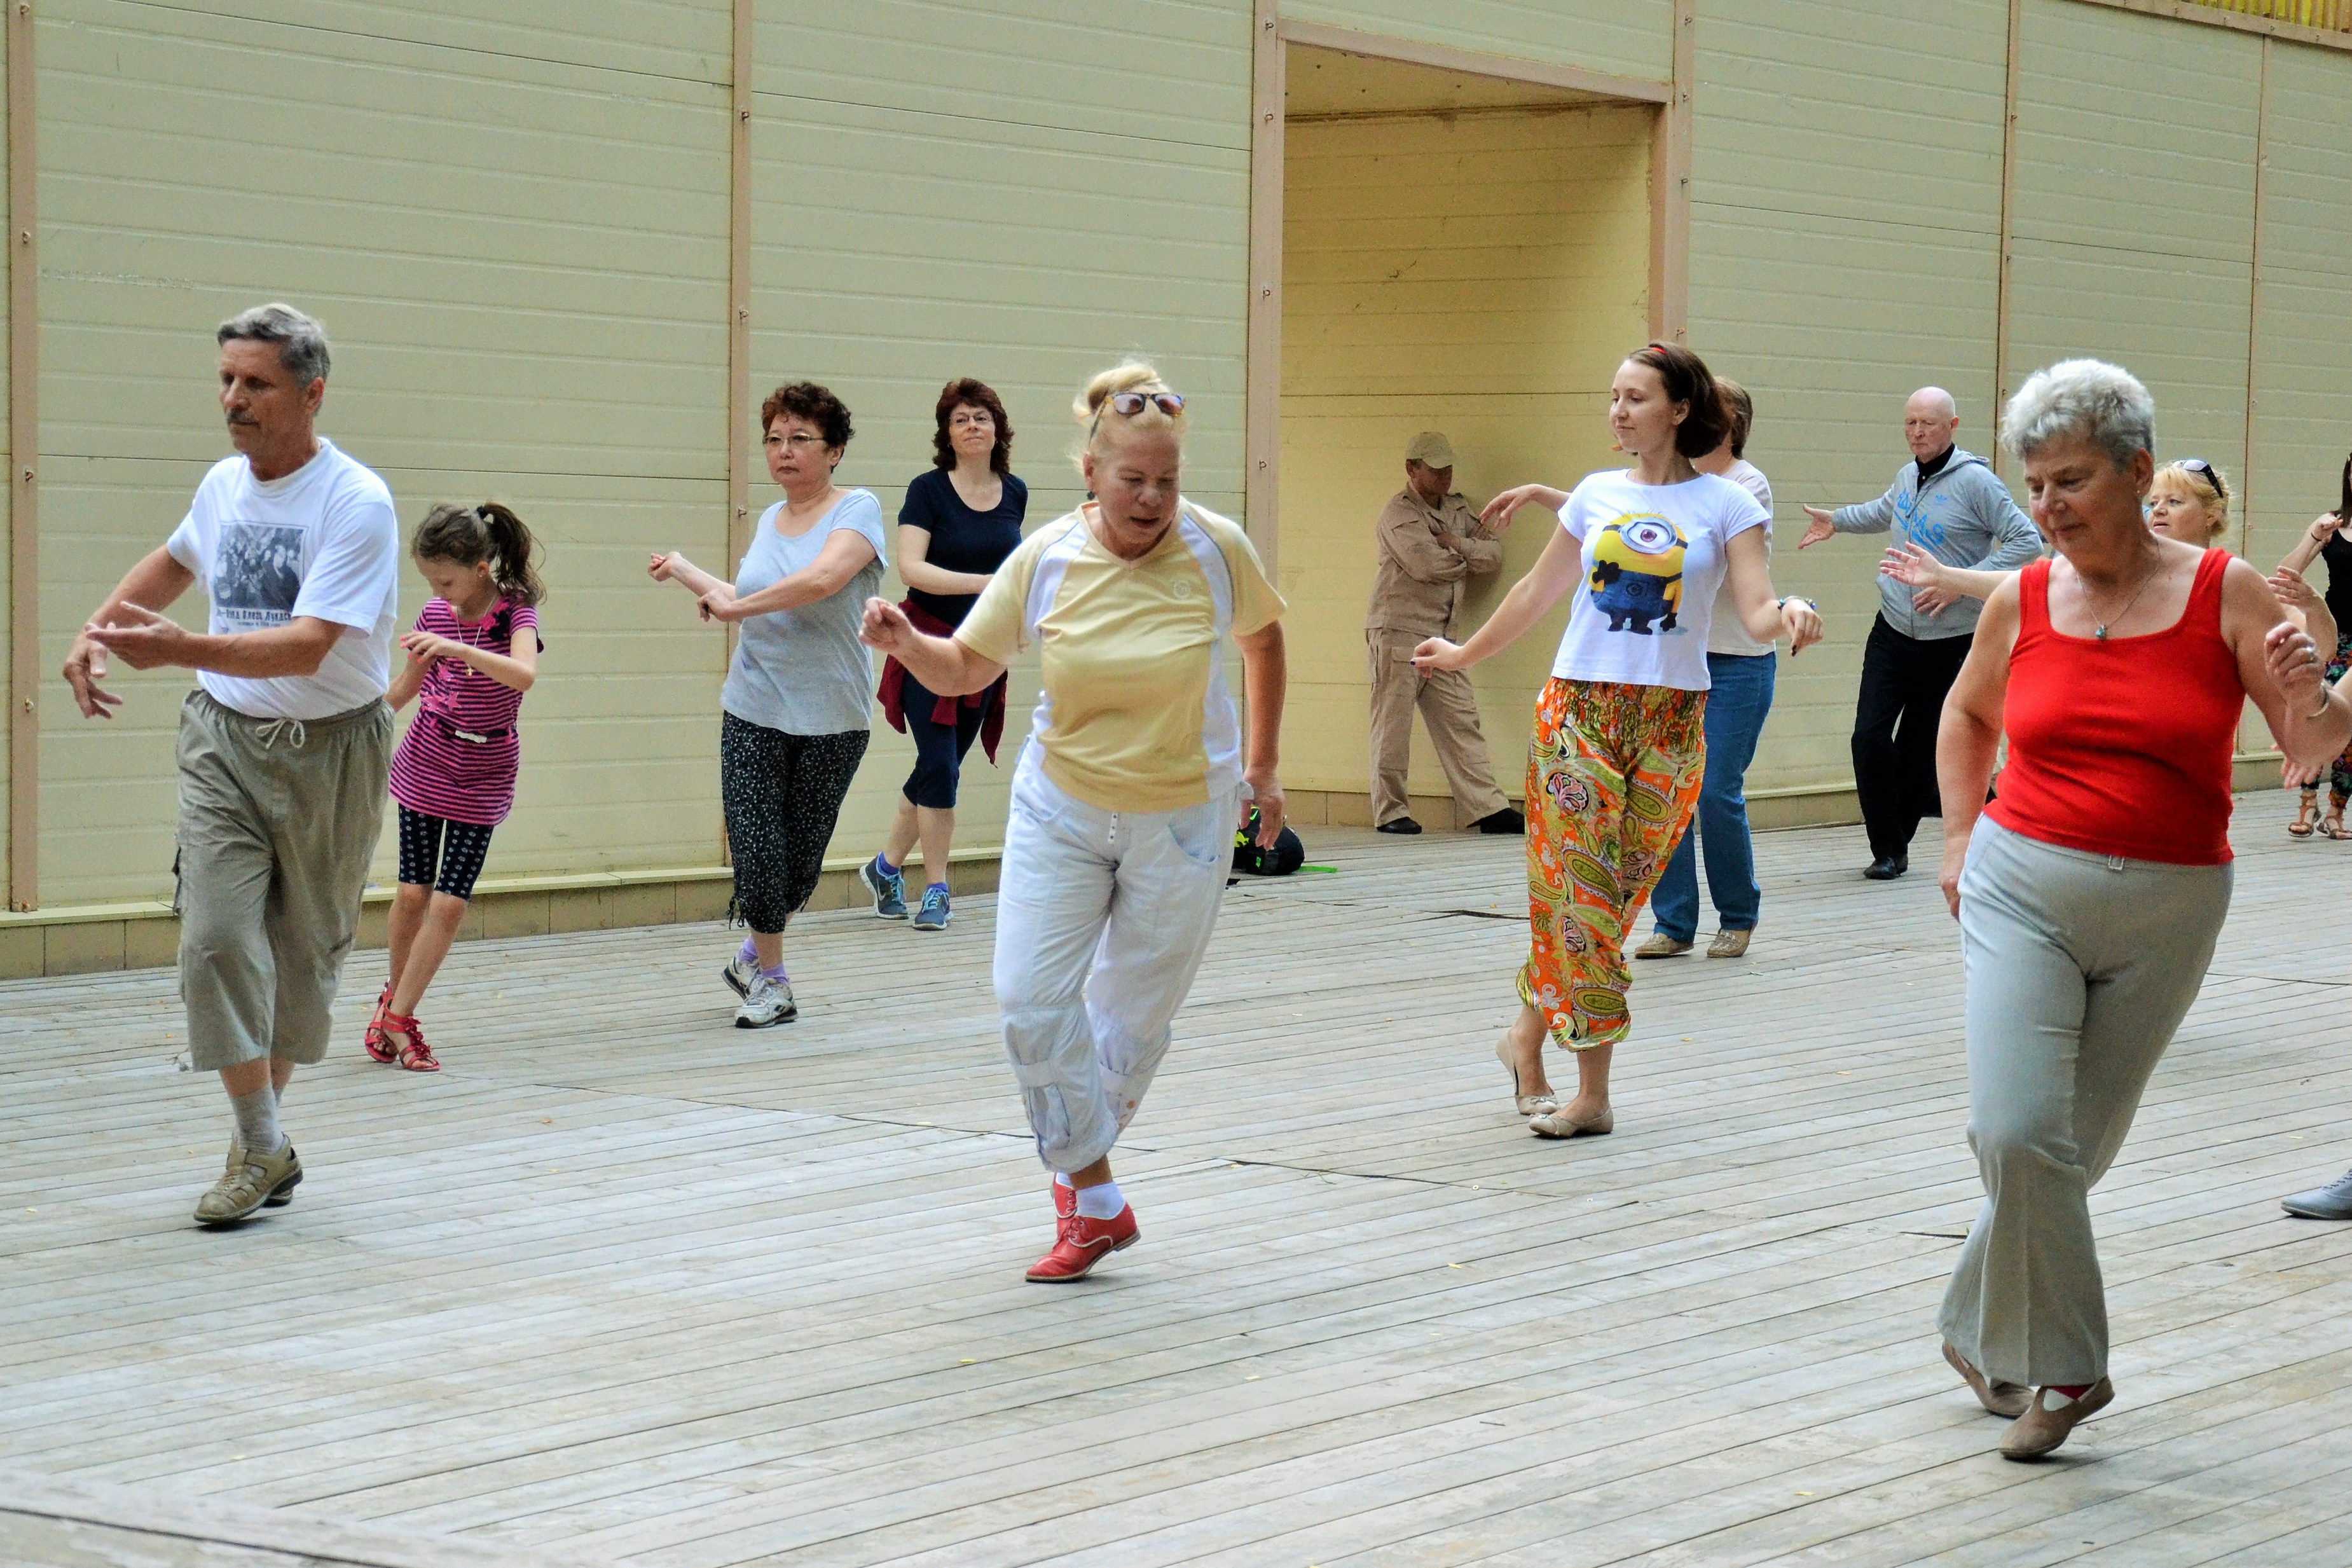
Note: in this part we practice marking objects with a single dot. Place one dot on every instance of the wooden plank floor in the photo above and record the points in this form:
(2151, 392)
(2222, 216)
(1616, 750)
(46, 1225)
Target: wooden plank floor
(626, 1285)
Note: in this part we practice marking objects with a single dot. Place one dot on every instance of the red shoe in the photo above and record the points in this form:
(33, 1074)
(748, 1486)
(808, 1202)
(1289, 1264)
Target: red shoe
(414, 1055)
(1083, 1243)
(1066, 1203)
(379, 1048)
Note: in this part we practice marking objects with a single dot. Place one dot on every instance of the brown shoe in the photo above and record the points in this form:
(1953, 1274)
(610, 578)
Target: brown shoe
(1661, 945)
(2050, 1420)
(250, 1181)
(1729, 944)
(2008, 1400)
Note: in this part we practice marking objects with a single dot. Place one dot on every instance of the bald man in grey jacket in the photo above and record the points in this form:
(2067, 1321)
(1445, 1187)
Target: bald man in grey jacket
(1951, 504)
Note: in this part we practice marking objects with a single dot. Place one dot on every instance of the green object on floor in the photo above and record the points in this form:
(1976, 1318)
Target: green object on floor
(1332, 870)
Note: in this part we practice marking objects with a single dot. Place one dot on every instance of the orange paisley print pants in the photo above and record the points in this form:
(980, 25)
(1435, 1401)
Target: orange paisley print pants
(1613, 774)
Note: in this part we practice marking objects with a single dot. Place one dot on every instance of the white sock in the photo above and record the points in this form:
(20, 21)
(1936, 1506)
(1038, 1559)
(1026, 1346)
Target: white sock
(1061, 1179)
(1100, 1203)
(256, 1120)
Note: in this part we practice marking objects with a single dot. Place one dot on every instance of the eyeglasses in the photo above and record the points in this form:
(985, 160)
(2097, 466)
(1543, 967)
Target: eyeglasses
(800, 441)
(1128, 404)
(2213, 475)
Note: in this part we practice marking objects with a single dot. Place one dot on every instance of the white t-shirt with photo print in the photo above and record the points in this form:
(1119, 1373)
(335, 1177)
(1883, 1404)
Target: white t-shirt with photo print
(323, 541)
(1654, 558)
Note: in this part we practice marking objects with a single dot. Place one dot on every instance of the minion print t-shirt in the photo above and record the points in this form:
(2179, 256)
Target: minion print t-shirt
(1653, 557)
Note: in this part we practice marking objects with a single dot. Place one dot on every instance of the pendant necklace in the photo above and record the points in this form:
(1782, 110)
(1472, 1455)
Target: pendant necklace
(2100, 626)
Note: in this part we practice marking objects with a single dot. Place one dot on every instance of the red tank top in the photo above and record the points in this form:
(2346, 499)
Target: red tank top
(2123, 747)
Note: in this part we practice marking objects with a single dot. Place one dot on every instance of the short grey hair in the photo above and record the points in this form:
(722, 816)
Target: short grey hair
(302, 341)
(2087, 399)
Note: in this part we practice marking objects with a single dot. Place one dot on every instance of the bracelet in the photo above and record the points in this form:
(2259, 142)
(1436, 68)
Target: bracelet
(1785, 600)
(2325, 702)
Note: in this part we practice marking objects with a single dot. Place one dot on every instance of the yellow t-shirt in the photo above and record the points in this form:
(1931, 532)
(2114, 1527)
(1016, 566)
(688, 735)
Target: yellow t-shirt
(1135, 714)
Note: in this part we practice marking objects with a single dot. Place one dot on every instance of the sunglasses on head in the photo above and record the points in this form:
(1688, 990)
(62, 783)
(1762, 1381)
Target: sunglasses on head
(1130, 404)
(2213, 475)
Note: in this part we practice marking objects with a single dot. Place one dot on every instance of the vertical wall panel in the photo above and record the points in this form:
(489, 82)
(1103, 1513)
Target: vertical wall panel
(1846, 215)
(521, 261)
(1480, 274)
(1072, 188)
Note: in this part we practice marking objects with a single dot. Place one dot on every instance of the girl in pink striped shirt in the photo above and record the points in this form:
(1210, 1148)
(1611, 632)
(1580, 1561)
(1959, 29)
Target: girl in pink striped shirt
(472, 654)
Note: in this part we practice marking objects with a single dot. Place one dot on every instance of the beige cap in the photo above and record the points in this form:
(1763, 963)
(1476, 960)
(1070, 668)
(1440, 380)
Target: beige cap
(1431, 450)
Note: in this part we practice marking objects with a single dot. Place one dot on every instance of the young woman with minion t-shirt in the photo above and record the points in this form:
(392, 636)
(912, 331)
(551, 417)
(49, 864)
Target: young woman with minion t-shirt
(1618, 753)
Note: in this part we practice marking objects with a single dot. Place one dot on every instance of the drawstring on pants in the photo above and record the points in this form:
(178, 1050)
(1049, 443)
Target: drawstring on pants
(292, 729)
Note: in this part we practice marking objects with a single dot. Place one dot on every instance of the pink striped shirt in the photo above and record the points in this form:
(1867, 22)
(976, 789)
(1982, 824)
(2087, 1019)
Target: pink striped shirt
(459, 759)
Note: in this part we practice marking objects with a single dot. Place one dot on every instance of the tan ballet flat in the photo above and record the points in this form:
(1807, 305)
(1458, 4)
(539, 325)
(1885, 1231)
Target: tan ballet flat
(1729, 944)
(1526, 1104)
(2050, 1419)
(1661, 945)
(2010, 1400)
(1558, 1124)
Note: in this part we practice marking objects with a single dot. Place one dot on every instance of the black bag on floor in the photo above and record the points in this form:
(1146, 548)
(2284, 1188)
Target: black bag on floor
(1288, 855)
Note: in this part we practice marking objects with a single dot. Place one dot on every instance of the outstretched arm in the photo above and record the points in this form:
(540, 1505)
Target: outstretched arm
(1554, 572)
(946, 666)
(1767, 617)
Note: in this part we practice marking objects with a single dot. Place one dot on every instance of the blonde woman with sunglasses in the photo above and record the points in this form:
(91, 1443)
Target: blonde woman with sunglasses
(1126, 796)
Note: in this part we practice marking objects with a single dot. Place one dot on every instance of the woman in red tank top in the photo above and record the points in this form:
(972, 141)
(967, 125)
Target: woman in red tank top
(2091, 893)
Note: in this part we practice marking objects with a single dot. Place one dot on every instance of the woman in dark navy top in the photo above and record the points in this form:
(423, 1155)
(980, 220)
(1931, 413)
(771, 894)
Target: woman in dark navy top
(959, 523)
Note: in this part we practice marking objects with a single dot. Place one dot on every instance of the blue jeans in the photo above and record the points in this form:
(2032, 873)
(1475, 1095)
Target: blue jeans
(1736, 709)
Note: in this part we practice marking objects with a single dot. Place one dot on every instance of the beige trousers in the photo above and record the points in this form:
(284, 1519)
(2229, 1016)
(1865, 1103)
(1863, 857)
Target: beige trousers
(278, 822)
(1449, 707)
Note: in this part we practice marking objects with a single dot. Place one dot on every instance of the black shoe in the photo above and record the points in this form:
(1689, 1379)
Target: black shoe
(1886, 867)
(2333, 1201)
(1404, 825)
(1501, 822)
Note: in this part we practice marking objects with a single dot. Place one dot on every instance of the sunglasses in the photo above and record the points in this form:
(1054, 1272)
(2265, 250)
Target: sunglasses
(1128, 404)
(2213, 475)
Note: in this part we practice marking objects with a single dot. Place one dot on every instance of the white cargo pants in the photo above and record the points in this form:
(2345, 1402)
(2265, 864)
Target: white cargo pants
(1102, 917)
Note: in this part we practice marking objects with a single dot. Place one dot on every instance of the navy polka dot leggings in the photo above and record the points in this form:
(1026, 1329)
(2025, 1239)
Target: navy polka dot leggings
(782, 794)
(458, 848)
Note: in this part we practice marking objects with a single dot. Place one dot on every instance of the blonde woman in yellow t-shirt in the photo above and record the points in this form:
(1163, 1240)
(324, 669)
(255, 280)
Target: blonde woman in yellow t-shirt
(1127, 797)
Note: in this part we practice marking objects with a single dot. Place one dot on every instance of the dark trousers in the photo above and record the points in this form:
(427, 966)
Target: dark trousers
(1904, 681)
(782, 794)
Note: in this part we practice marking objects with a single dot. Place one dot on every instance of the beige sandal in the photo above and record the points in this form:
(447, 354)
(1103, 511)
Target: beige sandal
(2332, 824)
(1729, 944)
(1526, 1104)
(2009, 1400)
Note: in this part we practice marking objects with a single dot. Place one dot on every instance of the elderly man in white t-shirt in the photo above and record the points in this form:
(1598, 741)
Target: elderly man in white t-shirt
(285, 744)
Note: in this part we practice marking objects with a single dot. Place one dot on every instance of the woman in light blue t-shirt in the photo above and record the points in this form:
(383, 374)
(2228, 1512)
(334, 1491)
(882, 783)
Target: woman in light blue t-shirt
(799, 690)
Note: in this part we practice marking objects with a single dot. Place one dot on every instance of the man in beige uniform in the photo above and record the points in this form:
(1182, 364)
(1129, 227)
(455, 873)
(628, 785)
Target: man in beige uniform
(1431, 544)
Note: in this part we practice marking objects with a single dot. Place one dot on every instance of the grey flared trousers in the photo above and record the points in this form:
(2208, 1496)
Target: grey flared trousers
(2079, 968)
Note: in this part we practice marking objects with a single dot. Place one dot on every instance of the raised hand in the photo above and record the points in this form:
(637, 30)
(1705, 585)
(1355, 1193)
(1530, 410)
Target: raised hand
(884, 626)
(665, 566)
(1436, 655)
(85, 668)
(149, 642)
(1498, 512)
(1820, 529)
(2293, 661)
(427, 646)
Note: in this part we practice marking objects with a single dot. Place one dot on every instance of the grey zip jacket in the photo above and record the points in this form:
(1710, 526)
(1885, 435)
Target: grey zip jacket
(1963, 516)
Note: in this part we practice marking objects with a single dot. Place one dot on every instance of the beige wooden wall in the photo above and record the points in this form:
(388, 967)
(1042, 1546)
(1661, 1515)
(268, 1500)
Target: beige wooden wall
(514, 228)
(514, 221)
(1480, 274)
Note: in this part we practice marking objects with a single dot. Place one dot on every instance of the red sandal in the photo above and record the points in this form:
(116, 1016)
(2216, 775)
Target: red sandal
(414, 1055)
(379, 1048)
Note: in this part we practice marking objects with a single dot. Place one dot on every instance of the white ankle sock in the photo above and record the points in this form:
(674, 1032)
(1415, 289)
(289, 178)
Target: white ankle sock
(256, 1120)
(1101, 1203)
(1061, 1179)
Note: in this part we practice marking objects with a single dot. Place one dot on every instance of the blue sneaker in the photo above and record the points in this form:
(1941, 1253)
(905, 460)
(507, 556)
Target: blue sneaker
(933, 915)
(888, 888)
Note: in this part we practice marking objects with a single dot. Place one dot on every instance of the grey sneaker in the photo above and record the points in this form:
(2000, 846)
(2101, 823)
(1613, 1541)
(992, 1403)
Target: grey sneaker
(2333, 1201)
(890, 890)
(768, 1002)
(933, 915)
(250, 1182)
(739, 974)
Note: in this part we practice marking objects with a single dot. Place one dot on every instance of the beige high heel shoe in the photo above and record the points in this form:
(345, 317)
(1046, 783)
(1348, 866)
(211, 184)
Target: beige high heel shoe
(1526, 1104)
(1558, 1124)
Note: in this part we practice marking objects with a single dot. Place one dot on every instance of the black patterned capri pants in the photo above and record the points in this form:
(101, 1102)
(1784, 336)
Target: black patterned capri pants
(782, 794)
